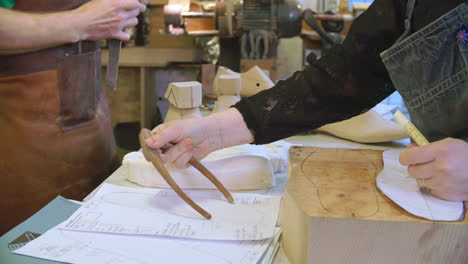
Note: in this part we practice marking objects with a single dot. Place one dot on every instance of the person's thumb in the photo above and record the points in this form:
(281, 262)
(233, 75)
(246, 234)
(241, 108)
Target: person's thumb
(122, 35)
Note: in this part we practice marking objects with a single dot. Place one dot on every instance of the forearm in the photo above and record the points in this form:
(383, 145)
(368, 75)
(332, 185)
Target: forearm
(22, 32)
(228, 129)
(348, 81)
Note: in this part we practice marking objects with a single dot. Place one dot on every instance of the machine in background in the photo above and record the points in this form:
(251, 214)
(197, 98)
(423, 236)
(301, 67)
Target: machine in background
(249, 29)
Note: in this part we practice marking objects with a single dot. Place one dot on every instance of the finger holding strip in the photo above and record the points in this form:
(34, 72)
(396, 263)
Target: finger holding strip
(173, 152)
(182, 161)
(195, 163)
(158, 164)
(417, 155)
(421, 171)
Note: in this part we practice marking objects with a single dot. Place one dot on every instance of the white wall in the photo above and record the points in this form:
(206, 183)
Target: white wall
(312, 4)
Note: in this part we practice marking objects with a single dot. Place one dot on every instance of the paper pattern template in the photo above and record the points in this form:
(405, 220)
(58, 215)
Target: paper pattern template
(393, 181)
(97, 248)
(159, 212)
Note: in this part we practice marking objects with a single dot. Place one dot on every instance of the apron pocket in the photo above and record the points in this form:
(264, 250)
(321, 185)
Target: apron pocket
(79, 82)
(444, 93)
(440, 111)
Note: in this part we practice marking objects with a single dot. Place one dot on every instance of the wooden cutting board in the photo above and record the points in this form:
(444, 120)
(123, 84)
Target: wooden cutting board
(333, 213)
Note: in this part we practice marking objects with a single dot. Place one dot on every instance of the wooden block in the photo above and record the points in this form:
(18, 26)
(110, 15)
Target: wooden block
(253, 81)
(184, 94)
(222, 71)
(207, 76)
(228, 84)
(174, 113)
(332, 212)
(269, 66)
(160, 78)
(224, 102)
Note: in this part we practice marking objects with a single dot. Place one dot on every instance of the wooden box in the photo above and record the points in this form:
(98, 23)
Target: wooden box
(332, 212)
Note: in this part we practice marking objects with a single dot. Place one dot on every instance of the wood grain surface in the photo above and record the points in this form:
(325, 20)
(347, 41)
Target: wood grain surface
(340, 183)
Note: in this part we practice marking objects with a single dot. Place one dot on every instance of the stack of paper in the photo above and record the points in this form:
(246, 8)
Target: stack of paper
(128, 225)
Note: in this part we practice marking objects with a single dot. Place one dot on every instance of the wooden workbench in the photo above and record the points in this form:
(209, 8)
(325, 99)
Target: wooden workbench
(334, 213)
(318, 140)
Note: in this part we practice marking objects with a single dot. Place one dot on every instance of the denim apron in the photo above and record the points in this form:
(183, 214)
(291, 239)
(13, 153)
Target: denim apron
(429, 68)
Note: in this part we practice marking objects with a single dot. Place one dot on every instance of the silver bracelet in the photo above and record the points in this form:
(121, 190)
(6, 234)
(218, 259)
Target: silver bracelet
(220, 131)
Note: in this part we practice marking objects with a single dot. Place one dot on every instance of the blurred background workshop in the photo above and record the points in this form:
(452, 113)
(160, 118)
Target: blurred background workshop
(83, 83)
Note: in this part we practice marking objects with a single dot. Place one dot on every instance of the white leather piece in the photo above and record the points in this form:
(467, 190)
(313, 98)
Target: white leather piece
(244, 167)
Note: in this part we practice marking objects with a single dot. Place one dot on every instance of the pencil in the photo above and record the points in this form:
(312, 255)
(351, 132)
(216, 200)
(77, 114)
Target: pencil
(414, 133)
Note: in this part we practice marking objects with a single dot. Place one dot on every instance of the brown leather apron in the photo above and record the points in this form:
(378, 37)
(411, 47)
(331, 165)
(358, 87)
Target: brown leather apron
(55, 130)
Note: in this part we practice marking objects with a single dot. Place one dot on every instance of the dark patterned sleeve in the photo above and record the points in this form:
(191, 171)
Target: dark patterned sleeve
(350, 80)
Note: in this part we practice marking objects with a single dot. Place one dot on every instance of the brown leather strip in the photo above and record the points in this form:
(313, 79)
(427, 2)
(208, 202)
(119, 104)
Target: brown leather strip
(47, 5)
(42, 60)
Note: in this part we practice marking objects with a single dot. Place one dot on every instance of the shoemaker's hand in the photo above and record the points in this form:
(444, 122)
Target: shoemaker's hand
(443, 165)
(103, 19)
(180, 140)
(197, 137)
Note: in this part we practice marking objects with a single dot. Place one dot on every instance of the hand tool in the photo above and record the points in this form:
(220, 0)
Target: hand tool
(113, 63)
(414, 133)
(154, 158)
